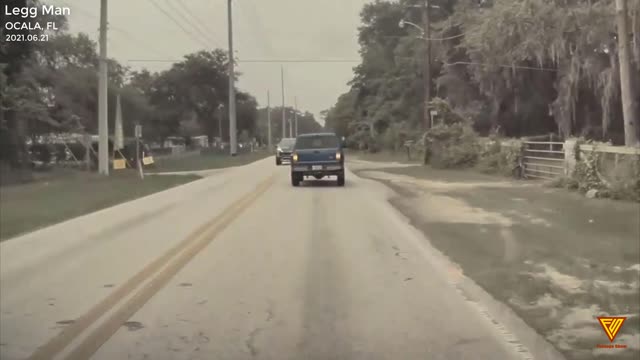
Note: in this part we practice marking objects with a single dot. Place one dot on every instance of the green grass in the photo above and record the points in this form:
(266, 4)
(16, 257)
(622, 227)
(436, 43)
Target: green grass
(207, 161)
(386, 156)
(70, 194)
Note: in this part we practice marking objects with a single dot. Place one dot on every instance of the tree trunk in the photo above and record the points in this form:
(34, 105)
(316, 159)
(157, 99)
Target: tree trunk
(19, 154)
(629, 100)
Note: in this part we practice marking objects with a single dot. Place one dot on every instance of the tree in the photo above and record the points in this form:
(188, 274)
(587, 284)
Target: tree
(306, 123)
(520, 67)
(629, 99)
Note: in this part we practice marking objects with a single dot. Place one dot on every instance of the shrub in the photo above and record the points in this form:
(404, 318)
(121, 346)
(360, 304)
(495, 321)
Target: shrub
(623, 182)
(451, 146)
(586, 173)
(499, 159)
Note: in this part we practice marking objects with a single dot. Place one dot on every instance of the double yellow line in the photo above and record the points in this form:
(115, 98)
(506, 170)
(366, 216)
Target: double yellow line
(176, 258)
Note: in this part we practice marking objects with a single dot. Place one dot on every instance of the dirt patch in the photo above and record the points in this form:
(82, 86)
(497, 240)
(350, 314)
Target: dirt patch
(558, 259)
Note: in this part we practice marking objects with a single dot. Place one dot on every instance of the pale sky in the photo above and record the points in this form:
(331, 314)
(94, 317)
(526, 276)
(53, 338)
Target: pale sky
(263, 29)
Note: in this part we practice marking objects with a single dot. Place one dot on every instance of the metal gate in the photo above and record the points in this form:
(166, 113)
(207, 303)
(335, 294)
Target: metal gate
(543, 159)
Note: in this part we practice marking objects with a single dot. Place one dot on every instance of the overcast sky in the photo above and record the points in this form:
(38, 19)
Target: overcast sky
(263, 29)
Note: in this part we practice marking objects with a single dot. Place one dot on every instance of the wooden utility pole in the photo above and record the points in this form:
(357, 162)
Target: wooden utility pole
(284, 118)
(233, 135)
(220, 115)
(103, 127)
(627, 89)
(295, 117)
(426, 26)
(269, 141)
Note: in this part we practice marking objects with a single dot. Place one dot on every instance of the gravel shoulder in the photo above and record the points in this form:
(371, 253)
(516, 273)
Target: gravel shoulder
(557, 259)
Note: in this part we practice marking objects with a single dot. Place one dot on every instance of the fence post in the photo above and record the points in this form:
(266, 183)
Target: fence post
(569, 156)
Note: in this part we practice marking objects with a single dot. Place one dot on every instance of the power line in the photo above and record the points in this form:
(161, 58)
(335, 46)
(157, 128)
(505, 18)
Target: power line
(196, 18)
(137, 40)
(129, 35)
(190, 34)
(188, 22)
(257, 27)
(502, 66)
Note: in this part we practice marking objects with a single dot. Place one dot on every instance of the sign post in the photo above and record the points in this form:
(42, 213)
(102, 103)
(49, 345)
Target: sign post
(138, 133)
(433, 115)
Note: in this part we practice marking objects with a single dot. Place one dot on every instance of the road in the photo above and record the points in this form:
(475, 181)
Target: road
(241, 265)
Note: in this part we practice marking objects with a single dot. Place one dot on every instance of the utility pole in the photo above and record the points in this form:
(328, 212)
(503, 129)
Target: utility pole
(232, 89)
(284, 116)
(269, 141)
(426, 26)
(103, 127)
(220, 122)
(629, 103)
(295, 114)
(290, 128)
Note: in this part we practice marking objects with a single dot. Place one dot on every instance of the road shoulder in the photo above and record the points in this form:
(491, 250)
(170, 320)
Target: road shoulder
(557, 260)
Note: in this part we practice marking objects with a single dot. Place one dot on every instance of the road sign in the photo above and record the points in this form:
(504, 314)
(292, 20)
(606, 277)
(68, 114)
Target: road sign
(138, 131)
(119, 164)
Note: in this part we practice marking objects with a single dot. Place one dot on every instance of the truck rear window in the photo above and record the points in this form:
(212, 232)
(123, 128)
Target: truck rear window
(317, 142)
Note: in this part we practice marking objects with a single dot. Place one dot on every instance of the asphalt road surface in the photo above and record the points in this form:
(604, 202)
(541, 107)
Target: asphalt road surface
(241, 265)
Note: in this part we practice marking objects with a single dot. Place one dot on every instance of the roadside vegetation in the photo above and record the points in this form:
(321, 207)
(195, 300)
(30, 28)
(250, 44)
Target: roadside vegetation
(207, 160)
(454, 144)
(64, 194)
(511, 67)
(51, 88)
(505, 70)
(595, 174)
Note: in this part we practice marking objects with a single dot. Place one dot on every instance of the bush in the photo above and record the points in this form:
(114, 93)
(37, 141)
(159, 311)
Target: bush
(498, 159)
(586, 173)
(623, 182)
(451, 146)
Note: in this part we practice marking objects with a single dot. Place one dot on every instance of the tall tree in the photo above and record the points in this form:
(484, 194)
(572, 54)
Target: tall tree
(523, 67)
(629, 98)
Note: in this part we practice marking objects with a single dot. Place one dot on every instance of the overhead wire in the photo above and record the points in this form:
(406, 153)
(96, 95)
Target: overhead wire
(197, 19)
(129, 36)
(189, 22)
(168, 15)
(256, 26)
(501, 66)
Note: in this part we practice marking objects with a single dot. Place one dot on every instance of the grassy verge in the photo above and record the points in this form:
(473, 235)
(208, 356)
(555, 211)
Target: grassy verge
(557, 258)
(207, 161)
(386, 156)
(70, 194)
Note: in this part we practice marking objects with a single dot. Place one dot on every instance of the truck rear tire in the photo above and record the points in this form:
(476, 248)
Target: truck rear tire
(278, 161)
(295, 179)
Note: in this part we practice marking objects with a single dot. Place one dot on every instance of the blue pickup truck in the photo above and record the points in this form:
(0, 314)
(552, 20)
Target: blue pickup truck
(318, 155)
